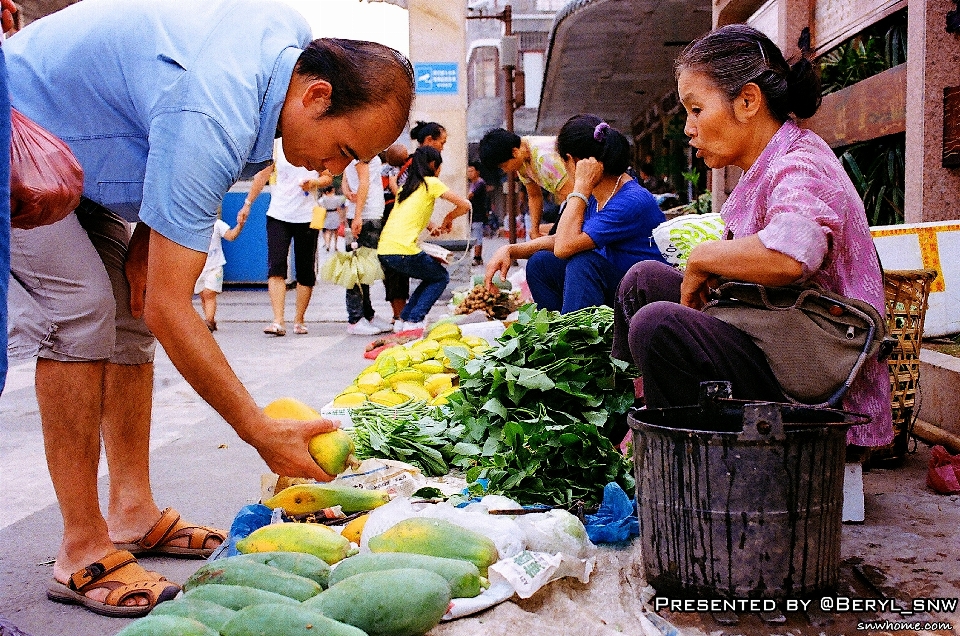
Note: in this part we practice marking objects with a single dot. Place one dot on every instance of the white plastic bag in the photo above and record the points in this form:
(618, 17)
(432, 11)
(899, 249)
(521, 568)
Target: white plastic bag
(678, 236)
(529, 571)
(556, 531)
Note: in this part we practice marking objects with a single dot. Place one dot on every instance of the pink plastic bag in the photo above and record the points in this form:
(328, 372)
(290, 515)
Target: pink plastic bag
(943, 471)
(46, 180)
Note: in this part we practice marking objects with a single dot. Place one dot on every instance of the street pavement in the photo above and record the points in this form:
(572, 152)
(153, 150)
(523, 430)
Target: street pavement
(909, 544)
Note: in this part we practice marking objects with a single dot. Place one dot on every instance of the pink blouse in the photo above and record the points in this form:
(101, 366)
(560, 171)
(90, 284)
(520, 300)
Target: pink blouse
(799, 201)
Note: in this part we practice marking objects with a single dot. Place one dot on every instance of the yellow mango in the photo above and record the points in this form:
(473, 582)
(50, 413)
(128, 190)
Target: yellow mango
(429, 367)
(302, 499)
(386, 397)
(350, 400)
(416, 356)
(311, 538)
(354, 530)
(413, 390)
(474, 341)
(287, 408)
(443, 397)
(444, 330)
(429, 347)
(436, 537)
(438, 383)
(370, 382)
(333, 452)
(406, 375)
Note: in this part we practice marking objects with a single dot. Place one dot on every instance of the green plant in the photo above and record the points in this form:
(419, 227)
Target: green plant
(876, 168)
(874, 50)
(703, 204)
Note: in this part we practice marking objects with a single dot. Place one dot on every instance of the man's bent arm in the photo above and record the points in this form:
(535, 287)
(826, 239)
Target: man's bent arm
(170, 314)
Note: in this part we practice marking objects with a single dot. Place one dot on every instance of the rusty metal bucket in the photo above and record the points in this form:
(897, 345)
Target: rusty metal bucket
(738, 499)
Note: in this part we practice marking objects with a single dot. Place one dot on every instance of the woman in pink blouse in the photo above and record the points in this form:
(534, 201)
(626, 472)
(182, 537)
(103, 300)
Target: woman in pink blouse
(793, 217)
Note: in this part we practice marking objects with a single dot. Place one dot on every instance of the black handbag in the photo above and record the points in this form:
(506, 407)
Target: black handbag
(815, 341)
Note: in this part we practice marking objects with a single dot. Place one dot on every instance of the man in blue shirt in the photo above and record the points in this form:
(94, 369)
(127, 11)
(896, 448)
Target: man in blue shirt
(166, 104)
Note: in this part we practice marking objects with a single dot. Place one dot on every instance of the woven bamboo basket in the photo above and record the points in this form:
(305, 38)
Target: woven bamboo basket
(906, 294)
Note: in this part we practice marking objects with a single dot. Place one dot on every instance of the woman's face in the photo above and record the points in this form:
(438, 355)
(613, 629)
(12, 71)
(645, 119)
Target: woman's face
(714, 130)
(436, 142)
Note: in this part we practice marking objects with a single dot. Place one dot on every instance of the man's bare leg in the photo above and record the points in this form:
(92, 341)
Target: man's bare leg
(125, 425)
(70, 397)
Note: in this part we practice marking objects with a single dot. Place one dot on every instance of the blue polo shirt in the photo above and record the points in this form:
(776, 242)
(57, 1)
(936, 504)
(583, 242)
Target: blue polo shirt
(623, 230)
(165, 103)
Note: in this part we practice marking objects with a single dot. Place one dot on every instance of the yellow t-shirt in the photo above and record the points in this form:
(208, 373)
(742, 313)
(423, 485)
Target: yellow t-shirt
(408, 219)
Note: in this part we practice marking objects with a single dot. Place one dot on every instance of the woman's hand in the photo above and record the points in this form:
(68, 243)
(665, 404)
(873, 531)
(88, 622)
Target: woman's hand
(587, 174)
(695, 288)
(499, 262)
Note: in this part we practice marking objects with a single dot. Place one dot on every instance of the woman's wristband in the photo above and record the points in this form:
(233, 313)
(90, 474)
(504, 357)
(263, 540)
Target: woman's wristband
(578, 195)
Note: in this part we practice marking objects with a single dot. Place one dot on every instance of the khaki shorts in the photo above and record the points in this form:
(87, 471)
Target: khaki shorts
(69, 297)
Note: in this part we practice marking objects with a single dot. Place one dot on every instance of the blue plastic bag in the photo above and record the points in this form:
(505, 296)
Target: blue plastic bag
(247, 520)
(616, 520)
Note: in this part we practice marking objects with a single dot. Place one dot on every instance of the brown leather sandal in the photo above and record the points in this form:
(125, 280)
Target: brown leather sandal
(170, 528)
(120, 573)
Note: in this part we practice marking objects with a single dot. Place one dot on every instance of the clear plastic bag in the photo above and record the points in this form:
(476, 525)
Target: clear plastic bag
(46, 180)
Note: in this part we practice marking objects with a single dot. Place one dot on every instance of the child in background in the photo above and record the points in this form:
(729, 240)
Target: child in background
(336, 215)
(398, 248)
(210, 282)
(480, 200)
(536, 163)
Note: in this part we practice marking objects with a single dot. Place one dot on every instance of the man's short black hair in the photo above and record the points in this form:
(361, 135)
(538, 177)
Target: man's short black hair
(496, 147)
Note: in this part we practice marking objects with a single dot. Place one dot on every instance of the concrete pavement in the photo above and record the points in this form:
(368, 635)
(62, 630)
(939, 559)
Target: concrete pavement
(908, 544)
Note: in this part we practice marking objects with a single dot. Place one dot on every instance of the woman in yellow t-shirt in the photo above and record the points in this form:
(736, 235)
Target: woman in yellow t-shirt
(398, 249)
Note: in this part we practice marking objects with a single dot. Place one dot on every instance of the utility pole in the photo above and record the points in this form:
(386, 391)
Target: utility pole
(509, 58)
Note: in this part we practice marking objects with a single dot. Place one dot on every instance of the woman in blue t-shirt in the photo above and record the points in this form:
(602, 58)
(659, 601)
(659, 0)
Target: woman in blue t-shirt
(605, 227)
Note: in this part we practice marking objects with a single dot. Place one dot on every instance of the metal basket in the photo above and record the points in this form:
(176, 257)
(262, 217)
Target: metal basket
(906, 294)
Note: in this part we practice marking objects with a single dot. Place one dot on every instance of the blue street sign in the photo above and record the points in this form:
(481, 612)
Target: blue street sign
(436, 78)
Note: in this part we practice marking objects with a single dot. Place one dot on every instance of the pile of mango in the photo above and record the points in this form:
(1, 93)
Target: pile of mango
(282, 582)
(420, 371)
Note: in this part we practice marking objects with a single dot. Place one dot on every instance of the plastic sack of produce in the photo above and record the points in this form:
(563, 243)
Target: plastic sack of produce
(359, 267)
(678, 236)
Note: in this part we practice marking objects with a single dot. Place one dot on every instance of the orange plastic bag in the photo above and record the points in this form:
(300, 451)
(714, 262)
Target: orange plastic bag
(943, 471)
(46, 180)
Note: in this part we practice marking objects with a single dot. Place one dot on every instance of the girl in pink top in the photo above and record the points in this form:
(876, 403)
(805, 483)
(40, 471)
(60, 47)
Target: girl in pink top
(794, 216)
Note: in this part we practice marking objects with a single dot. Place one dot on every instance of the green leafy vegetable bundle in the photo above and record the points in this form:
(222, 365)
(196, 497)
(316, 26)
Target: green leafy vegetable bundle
(414, 432)
(537, 411)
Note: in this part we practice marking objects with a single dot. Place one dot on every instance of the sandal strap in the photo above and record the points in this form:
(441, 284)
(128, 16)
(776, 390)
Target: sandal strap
(81, 579)
(197, 536)
(150, 589)
(159, 532)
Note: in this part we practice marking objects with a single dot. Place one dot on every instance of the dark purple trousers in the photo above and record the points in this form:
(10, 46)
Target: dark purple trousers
(677, 348)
